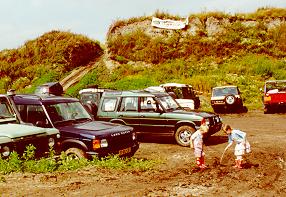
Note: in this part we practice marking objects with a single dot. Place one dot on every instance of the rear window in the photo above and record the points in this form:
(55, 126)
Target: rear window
(224, 91)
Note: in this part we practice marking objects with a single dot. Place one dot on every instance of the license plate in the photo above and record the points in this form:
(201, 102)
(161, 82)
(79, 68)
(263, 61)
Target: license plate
(124, 151)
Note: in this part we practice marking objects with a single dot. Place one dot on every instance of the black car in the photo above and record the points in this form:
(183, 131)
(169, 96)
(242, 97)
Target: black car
(155, 113)
(81, 136)
(227, 99)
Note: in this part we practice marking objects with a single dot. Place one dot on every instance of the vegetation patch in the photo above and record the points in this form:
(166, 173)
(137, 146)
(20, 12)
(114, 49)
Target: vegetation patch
(28, 163)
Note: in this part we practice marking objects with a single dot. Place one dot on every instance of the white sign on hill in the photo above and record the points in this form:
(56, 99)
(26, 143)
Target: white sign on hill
(169, 24)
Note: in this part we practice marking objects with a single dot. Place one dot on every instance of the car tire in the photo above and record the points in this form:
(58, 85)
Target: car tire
(230, 99)
(268, 110)
(76, 153)
(183, 134)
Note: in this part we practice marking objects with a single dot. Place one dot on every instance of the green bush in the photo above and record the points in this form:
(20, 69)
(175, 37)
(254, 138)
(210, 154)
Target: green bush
(28, 163)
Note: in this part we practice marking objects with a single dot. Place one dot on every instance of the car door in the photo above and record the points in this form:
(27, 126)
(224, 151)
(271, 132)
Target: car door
(127, 111)
(152, 118)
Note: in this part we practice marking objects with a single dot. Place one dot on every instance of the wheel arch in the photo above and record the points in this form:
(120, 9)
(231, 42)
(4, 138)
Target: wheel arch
(184, 123)
(73, 143)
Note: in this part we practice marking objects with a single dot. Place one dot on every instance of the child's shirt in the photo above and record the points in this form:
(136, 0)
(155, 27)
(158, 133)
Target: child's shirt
(237, 136)
(197, 137)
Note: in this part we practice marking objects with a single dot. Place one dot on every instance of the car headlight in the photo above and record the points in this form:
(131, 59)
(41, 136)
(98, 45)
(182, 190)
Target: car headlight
(96, 143)
(51, 142)
(5, 151)
(104, 143)
(134, 136)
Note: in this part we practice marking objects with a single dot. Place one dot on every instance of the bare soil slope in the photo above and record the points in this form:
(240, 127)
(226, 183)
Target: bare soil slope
(264, 173)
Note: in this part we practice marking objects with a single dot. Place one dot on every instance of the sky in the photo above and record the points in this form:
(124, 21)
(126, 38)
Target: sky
(23, 20)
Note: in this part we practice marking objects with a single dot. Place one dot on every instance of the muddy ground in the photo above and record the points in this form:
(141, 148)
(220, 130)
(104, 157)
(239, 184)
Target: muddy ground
(264, 172)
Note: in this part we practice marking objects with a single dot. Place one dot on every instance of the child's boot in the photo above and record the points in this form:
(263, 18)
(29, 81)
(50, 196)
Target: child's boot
(236, 164)
(202, 163)
(198, 161)
(239, 164)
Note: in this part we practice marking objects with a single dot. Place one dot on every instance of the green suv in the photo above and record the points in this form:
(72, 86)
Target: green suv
(155, 113)
(15, 135)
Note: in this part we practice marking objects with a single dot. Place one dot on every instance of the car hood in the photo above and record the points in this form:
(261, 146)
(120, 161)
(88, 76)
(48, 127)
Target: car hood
(194, 113)
(19, 130)
(186, 103)
(98, 128)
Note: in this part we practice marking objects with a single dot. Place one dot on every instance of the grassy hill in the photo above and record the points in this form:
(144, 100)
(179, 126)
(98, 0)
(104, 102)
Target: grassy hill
(214, 49)
(47, 58)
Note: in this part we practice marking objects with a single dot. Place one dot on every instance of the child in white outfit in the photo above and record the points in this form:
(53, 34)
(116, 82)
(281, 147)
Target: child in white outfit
(196, 143)
(242, 145)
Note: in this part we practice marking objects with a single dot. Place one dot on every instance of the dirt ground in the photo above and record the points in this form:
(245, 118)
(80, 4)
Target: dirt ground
(263, 174)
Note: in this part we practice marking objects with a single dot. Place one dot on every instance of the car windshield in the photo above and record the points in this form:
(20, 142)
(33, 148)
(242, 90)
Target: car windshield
(224, 91)
(66, 112)
(168, 103)
(276, 85)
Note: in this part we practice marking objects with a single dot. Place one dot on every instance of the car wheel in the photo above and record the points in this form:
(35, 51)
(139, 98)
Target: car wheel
(267, 110)
(183, 134)
(230, 99)
(75, 153)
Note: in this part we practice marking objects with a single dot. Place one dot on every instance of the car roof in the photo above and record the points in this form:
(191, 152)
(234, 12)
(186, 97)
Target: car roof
(91, 90)
(134, 93)
(228, 86)
(273, 81)
(41, 99)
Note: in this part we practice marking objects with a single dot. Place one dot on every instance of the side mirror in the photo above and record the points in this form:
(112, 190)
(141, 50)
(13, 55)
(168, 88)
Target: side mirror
(41, 123)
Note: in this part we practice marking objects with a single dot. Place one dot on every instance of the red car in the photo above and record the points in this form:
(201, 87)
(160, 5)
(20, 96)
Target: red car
(274, 97)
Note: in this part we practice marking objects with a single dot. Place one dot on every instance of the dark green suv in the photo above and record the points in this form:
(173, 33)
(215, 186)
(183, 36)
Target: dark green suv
(155, 113)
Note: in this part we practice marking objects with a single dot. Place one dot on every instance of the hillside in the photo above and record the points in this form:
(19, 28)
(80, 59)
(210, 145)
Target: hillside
(212, 49)
(47, 58)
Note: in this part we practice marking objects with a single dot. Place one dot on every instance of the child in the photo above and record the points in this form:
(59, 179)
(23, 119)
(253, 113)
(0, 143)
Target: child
(242, 145)
(196, 143)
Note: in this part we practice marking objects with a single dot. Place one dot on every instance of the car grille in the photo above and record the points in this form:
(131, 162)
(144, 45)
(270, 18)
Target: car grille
(121, 141)
(39, 142)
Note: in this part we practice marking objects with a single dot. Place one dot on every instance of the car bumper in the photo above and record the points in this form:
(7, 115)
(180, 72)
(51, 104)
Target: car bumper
(121, 152)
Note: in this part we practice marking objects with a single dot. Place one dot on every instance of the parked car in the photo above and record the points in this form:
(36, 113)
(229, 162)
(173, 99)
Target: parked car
(81, 136)
(90, 97)
(274, 96)
(154, 113)
(227, 99)
(184, 94)
(15, 135)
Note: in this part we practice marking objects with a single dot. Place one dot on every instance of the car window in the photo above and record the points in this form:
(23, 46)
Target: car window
(108, 104)
(90, 97)
(5, 110)
(148, 104)
(63, 112)
(33, 114)
(224, 91)
(168, 103)
(129, 104)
